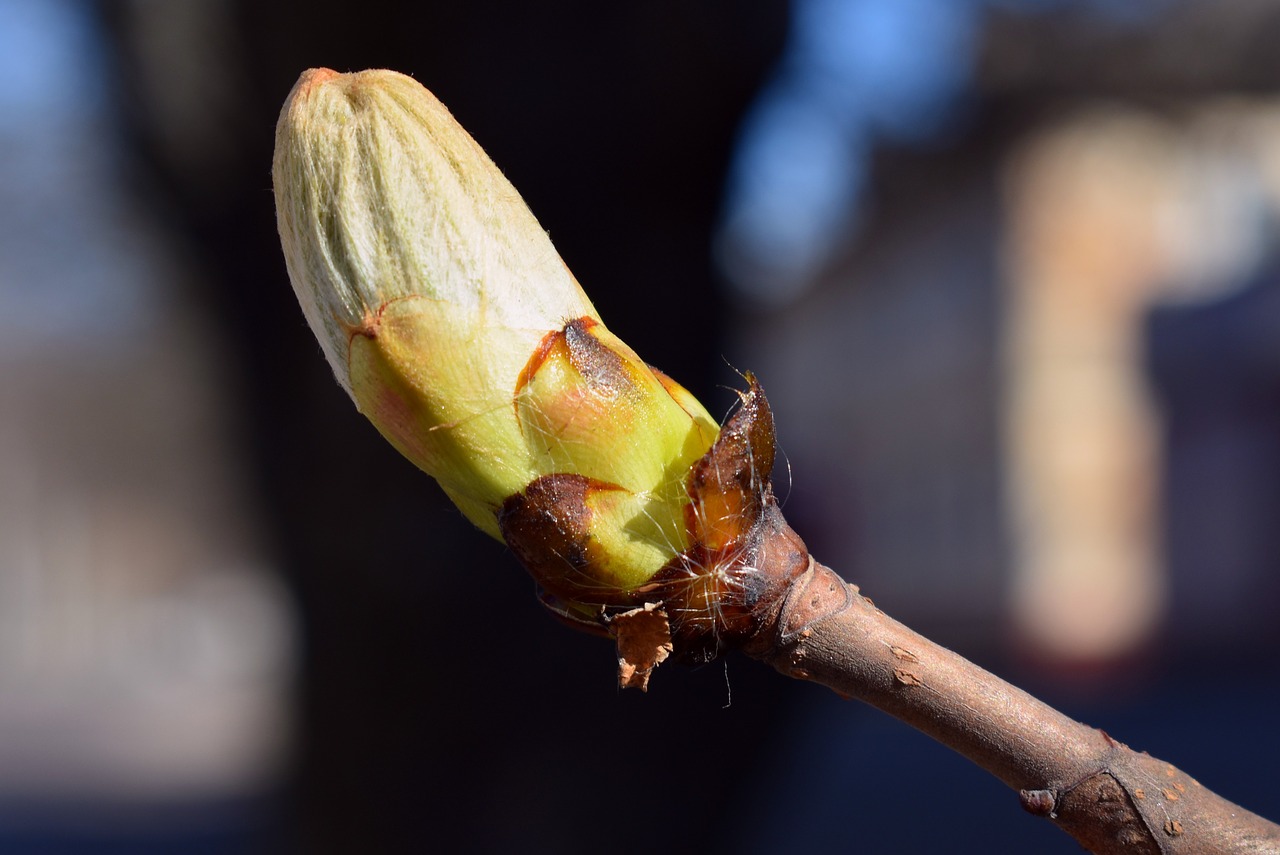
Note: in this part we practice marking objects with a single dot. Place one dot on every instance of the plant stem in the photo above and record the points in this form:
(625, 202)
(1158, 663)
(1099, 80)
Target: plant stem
(750, 583)
(1110, 798)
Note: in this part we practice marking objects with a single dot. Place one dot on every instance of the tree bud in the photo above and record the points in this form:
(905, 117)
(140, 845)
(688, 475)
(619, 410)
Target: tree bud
(453, 324)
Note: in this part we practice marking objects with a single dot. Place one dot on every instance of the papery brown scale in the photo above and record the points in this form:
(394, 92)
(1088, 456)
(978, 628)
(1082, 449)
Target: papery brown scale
(728, 485)
(548, 527)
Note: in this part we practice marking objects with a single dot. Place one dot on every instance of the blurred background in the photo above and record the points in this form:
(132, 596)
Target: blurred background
(1007, 270)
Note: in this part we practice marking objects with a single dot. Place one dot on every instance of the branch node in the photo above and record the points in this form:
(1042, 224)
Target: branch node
(1039, 802)
(819, 593)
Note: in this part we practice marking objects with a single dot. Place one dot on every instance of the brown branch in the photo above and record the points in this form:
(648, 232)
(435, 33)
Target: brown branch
(1107, 796)
(749, 582)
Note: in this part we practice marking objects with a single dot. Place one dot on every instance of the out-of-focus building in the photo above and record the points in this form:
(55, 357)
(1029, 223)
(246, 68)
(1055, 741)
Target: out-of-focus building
(1022, 344)
(971, 342)
(146, 648)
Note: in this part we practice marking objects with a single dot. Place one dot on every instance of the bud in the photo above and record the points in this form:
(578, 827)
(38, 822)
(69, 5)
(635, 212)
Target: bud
(453, 324)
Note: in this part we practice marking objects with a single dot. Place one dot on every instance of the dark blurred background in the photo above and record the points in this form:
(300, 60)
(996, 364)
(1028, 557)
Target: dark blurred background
(1007, 271)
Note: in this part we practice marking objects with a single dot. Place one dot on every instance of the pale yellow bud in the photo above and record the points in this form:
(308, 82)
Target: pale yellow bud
(451, 321)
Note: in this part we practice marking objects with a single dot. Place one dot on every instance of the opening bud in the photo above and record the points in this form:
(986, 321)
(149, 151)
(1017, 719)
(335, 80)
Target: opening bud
(451, 321)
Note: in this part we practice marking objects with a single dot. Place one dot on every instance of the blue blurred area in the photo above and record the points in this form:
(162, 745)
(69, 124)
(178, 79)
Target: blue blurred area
(144, 650)
(52, 64)
(856, 74)
(1216, 370)
(66, 260)
(211, 829)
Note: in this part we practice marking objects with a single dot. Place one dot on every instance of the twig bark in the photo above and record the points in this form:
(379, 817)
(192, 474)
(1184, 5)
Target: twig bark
(750, 583)
(1107, 796)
